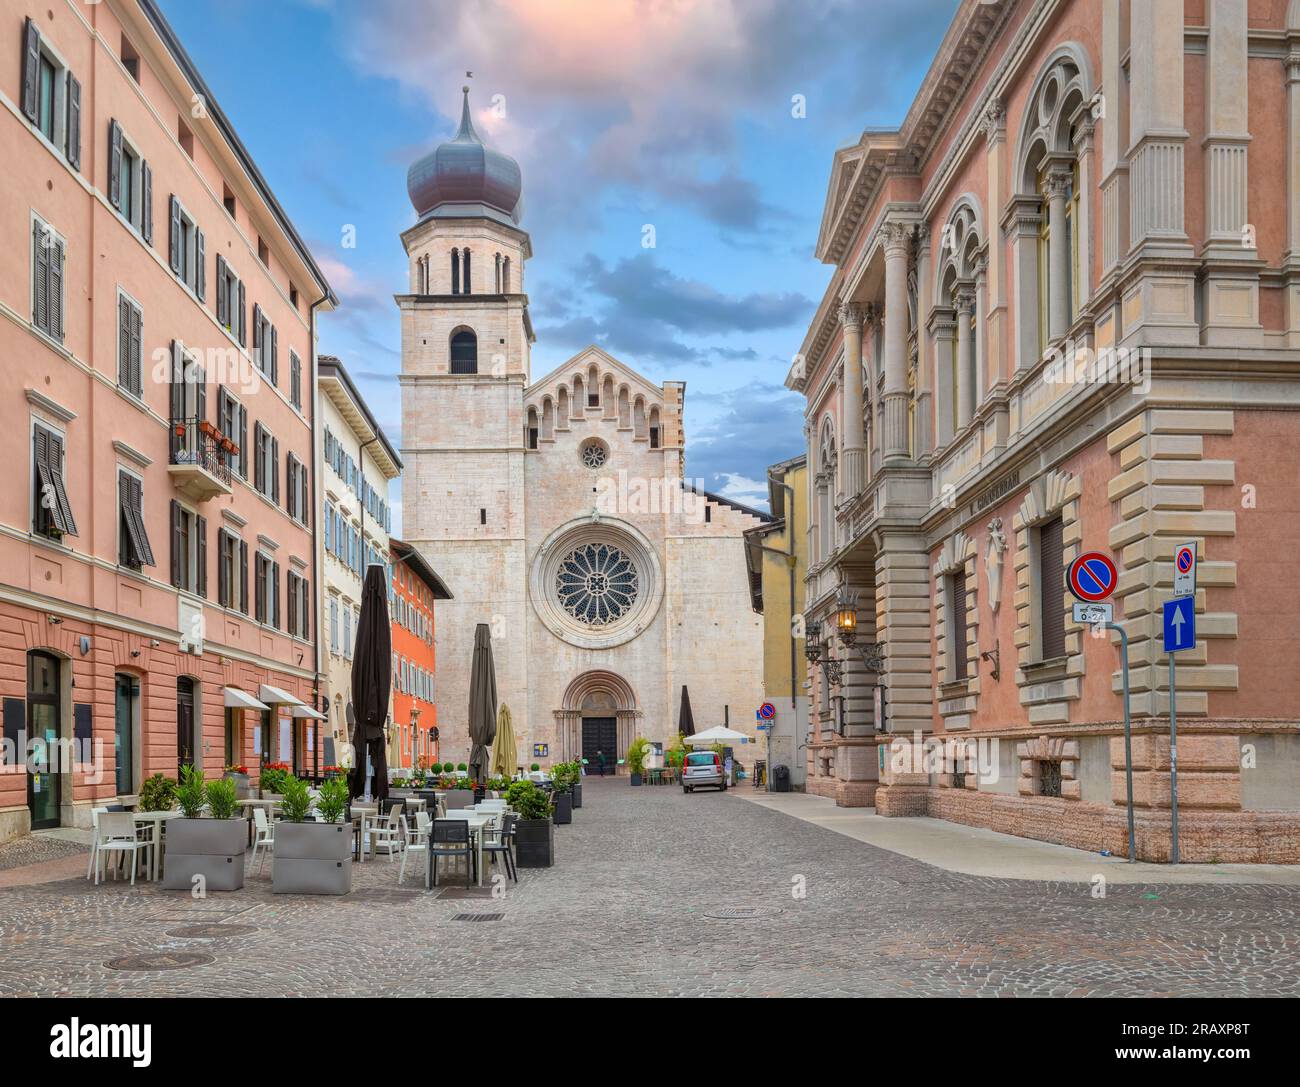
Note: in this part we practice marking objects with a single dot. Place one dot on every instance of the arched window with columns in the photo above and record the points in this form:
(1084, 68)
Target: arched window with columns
(455, 270)
(958, 364)
(825, 483)
(1050, 232)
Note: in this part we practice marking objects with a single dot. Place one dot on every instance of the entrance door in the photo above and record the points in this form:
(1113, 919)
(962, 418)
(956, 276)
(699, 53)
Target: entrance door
(600, 734)
(184, 723)
(43, 783)
(127, 697)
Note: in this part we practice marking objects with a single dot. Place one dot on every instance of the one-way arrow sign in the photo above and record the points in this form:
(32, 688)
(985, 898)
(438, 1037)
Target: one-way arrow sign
(1180, 624)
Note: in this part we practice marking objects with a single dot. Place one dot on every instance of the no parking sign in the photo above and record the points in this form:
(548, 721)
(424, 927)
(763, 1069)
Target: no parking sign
(1092, 577)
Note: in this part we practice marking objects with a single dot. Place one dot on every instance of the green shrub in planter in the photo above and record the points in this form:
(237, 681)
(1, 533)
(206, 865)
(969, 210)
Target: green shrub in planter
(637, 752)
(223, 798)
(461, 766)
(158, 793)
(534, 833)
(190, 792)
(332, 803)
(296, 804)
(535, 767)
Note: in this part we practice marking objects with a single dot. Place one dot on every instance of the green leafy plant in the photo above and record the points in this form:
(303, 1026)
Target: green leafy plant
(565, 775)
(274, 775)
(190, 792)
(528, 800)
(637, 753)
(223, 798)
(158, 793)
(333, 801)
(296, 804)
(461, 766)
(535, 767)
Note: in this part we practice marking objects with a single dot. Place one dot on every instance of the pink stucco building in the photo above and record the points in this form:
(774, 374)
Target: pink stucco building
(158, 572)
(1065, 317)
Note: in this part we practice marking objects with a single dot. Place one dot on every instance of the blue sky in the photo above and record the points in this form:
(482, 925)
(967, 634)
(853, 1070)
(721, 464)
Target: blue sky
(622, 113)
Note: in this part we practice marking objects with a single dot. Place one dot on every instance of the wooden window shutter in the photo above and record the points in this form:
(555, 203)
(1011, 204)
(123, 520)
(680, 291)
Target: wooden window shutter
(46, 504)
(177, 385)
(243, 576)
(275, 357)
(958, 627)
(68, 523)
(200, 268)
(74, 122)
(243, 441)
(1051, 588)
(201, 555)
(240, 305)
(40, 277)
(115, 164)
(31, 67)
(273, 463)
(257, 335)
(291, 486)
(223, 568)
(259, 590)
(137, 351)
(259, 461)
(56, 290)
(275, 595)
(175, 247)
(124, 343)
(146, 203)
(176, 543)
(223, 292)
(200, 393)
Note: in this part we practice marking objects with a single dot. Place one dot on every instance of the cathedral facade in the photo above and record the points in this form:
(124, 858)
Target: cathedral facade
(556, 509)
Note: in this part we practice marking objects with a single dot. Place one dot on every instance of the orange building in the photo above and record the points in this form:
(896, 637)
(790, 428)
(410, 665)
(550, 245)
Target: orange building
(413, 737)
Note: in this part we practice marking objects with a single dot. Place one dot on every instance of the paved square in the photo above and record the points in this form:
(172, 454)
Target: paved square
(625, 912)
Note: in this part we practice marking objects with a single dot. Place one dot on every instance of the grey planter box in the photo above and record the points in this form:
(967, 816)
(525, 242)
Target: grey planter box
(636, 779)
(312, 859)
(211, 848)
(577, 795)
(535, 843)
(459, 798)
(563, 808)
(243, 790)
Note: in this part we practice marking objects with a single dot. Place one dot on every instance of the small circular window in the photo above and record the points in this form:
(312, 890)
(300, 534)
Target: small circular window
(594, 453)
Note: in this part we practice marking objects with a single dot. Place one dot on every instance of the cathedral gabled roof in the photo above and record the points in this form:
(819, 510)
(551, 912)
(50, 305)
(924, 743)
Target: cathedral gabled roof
(584, 358)
(463, 178)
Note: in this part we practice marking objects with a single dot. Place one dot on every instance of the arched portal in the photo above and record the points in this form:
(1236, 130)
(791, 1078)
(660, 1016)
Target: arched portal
(599, 714)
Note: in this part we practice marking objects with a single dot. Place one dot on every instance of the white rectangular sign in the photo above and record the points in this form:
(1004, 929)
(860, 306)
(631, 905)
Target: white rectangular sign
(1185, 569)
(1092, 614)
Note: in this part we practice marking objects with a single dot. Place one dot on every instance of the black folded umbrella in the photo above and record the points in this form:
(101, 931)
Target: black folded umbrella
(372, 676)
(482, 703)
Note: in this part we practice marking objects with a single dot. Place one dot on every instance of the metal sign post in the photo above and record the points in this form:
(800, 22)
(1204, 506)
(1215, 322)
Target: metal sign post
(1179, 636)
(1103, 615)
(1173, 764)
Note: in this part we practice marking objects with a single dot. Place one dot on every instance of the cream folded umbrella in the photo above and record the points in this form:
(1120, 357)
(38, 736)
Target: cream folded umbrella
(505, 756)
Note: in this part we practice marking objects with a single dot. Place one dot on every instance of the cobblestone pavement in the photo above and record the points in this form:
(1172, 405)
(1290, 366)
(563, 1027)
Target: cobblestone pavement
(36, 849)
(624, 912)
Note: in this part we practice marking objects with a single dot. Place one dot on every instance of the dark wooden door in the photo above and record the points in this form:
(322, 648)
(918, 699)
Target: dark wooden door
(600, 734)
(184, 723)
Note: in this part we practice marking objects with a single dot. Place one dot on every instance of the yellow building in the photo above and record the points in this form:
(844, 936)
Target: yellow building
(776, 557)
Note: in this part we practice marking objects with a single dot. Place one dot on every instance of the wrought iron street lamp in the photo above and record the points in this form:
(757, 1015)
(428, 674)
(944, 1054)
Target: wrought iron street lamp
(816, 650)
(846, 626)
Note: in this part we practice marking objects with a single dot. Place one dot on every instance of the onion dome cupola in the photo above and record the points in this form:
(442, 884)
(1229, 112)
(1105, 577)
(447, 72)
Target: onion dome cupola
(463, 178)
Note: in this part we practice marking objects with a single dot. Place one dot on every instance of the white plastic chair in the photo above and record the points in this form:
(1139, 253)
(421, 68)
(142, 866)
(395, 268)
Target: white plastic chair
(265, 839)
(417, 841)
(491, 805)
(117, 835)
(386, 836)
(95, 813)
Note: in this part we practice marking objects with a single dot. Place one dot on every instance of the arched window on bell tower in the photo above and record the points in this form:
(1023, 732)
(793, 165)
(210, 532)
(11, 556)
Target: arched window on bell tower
(464, 352)
(505, 275)
(464, 278)
(455, 271)
(497, 279)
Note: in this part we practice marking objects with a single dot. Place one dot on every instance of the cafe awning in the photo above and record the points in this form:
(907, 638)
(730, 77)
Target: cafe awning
(307, 711)
(236, 699)
(267, 693)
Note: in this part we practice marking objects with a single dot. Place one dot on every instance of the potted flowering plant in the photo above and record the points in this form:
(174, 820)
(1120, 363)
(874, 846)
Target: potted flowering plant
(313, 856)
(207, 852)
(564, 776)
(534, 832)
(239, 775)
(274, 776)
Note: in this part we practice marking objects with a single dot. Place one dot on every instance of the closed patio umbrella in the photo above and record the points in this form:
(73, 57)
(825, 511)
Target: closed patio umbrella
(372, 676)
(505, 756)
(482, 702)
(686, 721)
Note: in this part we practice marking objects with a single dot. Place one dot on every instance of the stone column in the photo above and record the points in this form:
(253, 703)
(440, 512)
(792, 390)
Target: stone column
(1227, 132)
(924, 405)
(1057, 184)
(854, 445)
(995, 309)
(1112, 115)
(1156, 197)
(1291, 258)
(1021, 223)
(980, 347)
(965, 303)
(897, 239)
(1083, 150)
(941, 326)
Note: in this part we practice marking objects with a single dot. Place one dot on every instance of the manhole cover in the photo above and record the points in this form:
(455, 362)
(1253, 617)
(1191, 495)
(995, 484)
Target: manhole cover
(209, 930)
(740, 913)
(478, 917)
(160, 960)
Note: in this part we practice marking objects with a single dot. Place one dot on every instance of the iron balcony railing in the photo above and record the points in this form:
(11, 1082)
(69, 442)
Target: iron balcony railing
(198, 442)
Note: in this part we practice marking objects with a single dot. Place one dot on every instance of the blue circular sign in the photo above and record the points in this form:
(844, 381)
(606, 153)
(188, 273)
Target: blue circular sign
(1092, 577)
(767, 711)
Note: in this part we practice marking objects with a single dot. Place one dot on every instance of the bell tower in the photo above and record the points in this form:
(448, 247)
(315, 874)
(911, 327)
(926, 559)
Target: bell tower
(466, 340)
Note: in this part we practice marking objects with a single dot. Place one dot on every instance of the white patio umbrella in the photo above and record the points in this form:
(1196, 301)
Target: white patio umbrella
(718, 735)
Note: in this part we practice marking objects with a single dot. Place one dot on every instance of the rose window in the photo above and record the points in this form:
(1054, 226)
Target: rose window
(596, 584)
(594, 454)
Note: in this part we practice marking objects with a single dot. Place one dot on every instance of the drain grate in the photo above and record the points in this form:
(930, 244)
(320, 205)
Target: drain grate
(740, 913)
(209, 930)
(478, 917)
(160, 960)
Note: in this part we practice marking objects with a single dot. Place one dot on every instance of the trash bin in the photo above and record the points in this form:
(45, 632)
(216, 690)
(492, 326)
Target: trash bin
(781, 779)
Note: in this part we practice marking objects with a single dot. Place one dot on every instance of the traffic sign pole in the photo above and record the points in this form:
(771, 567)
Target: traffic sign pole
(1173, 762)
(1128, 738)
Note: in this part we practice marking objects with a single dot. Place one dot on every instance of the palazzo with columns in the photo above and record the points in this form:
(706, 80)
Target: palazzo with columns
(1064, 317)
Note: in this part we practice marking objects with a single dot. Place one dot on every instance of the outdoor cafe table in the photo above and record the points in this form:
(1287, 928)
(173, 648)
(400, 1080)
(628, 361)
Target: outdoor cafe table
(156, 818)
